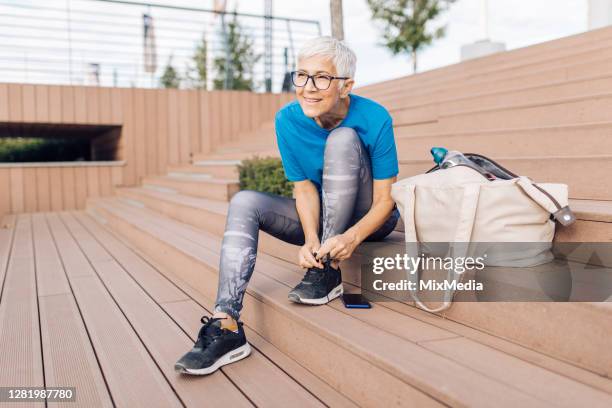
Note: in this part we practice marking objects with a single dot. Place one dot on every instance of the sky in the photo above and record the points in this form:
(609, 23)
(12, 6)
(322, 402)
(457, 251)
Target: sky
(517, 23)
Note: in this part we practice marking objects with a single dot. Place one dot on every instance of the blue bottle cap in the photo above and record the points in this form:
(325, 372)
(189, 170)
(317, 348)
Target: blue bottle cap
(438, 154)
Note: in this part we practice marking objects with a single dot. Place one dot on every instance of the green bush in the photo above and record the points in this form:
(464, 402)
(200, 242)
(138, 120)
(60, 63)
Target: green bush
(18, 149)
(264, 174)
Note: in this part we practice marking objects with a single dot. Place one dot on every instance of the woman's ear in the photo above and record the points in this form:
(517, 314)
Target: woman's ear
(347, 86)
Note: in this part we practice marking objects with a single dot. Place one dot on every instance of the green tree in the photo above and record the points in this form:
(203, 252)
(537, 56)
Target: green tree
(406, 22)
(242, 60)
(197, 74)
(170, 78)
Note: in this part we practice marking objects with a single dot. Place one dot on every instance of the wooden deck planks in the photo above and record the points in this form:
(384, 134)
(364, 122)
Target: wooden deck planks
(21, 357)
(164, 340)
(187, 312)
(7, 232)
(68, 356)
(132, 377)
(257, 377)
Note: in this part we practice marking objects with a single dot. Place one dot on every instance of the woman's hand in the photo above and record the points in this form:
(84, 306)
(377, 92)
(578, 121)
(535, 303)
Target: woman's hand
(306, 257)
(339, 247)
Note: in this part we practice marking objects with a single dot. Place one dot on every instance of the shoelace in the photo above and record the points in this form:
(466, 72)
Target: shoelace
(208, 332)
(314, 275)
(317, 274)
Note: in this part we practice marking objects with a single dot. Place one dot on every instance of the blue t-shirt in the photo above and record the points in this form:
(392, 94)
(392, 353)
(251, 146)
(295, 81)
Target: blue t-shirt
(301, 141)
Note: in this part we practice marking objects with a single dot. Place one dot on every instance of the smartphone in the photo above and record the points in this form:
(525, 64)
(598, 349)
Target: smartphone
(355, 301)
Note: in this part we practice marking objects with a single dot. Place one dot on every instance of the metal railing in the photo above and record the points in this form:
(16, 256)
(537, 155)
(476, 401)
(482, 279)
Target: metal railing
(105, 42)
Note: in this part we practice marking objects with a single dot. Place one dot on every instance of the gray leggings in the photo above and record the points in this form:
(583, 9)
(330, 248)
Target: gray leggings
(346, 198)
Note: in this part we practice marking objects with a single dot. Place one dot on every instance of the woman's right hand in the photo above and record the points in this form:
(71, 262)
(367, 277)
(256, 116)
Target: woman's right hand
(306, 257)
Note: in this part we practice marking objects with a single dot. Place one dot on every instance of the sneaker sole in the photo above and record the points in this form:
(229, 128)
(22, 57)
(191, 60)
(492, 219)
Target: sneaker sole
(228, 358)
(337, 291)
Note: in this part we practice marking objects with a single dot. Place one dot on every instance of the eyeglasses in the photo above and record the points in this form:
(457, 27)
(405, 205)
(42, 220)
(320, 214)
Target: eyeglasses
(320, 81)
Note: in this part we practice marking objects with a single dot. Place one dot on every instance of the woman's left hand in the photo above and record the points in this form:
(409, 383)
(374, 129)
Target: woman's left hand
(339, 247)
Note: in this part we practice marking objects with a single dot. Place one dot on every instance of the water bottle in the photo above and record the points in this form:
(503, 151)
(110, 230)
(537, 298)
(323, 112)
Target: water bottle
(454, 158)
(449, 158)
(438, 154)
(445, 158)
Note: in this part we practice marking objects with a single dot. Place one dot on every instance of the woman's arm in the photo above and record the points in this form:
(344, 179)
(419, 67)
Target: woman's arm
(341, 246)
(308, 208)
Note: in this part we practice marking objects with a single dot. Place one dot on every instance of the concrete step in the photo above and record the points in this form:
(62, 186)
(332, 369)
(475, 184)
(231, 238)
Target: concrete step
(587, 176)
(578, 140)
(375, 358)
(594, 223)
(219, 189)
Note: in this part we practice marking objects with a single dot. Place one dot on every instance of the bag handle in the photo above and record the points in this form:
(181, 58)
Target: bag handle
(544, 199)
(467, 216)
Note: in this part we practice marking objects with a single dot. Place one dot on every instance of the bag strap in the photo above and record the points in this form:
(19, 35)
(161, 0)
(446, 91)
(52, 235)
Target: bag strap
(544, 199)
(467, 216)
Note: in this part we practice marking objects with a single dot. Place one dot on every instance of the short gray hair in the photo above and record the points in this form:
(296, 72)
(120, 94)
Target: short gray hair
(343, 58)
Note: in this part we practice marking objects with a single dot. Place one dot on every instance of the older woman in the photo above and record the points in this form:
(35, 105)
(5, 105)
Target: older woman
(338, 149)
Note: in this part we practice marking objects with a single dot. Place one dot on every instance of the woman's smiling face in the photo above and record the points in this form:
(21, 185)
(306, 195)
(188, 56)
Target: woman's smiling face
(316, 102)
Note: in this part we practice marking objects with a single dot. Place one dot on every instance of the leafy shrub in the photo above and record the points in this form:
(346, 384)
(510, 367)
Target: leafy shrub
(264, 174)
(18, 149)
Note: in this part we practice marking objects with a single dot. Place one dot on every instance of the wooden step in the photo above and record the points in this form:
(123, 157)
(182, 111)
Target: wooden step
(400, 367)
(499, 76)
(220, 189)
(574, 140)
(594, 221)
(594, 218)
(569, 111)
(239, 155)
(537, 77)
(264, 132)
(548, 93)
(587, 176)
(223, 169)
(542, 54)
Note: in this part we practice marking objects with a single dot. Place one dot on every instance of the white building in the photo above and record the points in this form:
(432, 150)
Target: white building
(484, 46)
(600, 13)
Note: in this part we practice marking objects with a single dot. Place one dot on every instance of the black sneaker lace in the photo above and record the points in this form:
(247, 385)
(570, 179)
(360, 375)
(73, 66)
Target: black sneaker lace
(315, 275)
(208, 332)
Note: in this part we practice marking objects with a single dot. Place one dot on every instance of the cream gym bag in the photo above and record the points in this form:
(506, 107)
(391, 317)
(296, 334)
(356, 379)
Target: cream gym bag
(479, 203)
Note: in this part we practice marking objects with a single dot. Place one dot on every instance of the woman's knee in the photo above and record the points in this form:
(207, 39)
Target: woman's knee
(246, 198)
(341, 138)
